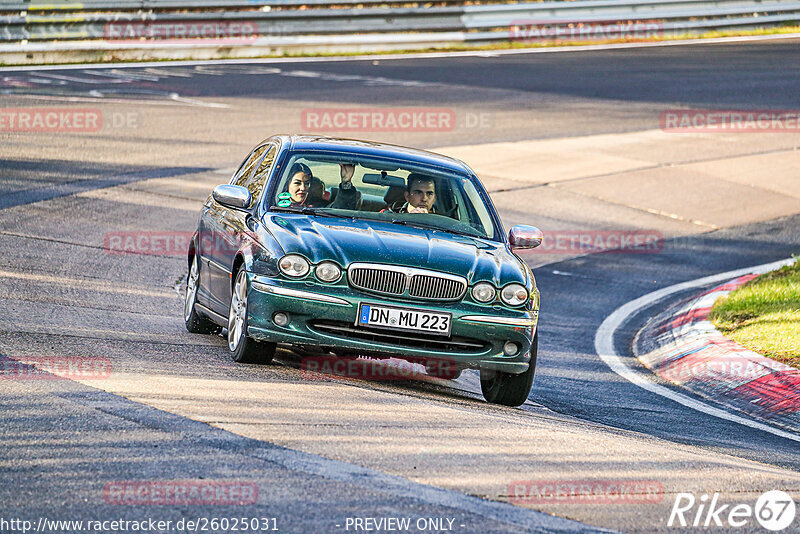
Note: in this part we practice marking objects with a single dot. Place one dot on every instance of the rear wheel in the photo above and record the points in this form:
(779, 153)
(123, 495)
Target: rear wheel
(244, 349)
(506, 388)
(194, 322)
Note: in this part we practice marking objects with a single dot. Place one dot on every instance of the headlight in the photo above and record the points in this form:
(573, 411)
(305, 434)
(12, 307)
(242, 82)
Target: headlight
(514, 294)
(484, 292)
(294, 265)
(327, 271)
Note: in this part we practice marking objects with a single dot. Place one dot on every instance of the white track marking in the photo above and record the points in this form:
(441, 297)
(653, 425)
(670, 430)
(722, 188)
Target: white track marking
(387, 57)
(194, 102)
(95, 80)
(171, 100)
(604, 346)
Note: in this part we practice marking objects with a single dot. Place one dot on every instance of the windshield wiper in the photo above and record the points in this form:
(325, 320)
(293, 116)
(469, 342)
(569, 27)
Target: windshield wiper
(415, 224)
(301, 210)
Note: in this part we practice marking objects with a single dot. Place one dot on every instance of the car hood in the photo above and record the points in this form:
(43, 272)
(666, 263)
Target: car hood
(346, 241)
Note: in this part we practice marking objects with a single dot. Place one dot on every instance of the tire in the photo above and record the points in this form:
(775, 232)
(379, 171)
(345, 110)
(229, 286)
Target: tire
(506, 388)
(443, 369)
(244, 349)
(194, 322)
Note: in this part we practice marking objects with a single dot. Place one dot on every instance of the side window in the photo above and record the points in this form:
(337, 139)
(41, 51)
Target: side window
(246, 169)
(240, 169)
(256, 183)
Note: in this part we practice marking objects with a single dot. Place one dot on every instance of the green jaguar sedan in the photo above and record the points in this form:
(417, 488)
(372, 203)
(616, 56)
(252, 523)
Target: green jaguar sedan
(353, 248)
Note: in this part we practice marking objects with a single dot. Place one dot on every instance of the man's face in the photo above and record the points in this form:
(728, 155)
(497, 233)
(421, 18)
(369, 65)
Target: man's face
(421, 194)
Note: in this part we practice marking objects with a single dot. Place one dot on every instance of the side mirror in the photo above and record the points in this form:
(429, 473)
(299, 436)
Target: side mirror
(522, 236)
(232, 196)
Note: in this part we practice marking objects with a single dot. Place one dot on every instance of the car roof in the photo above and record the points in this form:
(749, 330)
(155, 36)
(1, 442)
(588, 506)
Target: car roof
(370, 148)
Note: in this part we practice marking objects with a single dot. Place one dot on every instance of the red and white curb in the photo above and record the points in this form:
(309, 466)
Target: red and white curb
(693, 354)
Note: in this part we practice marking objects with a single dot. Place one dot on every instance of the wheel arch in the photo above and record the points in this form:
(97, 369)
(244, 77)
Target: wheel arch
(192, 251)
(243, 258)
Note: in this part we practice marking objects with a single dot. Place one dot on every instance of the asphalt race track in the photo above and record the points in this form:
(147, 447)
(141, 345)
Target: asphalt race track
(321, 452)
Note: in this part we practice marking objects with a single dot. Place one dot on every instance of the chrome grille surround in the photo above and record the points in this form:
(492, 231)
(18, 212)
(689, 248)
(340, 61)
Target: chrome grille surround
(411, 282)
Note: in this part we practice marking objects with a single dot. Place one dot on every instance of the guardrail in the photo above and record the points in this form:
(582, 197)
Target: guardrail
(172, 28)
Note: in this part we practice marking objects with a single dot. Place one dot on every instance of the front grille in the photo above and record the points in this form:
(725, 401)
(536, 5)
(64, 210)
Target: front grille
(382, 281)
(401, 339)
(432, 287)
(406, 281)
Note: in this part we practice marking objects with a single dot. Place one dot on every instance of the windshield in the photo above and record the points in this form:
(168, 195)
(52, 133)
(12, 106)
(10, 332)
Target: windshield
(355, 186)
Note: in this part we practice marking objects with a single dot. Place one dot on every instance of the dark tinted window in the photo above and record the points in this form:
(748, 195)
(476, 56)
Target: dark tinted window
(244, 172)
(256, 183)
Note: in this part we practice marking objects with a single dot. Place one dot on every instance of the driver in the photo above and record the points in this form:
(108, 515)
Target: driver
(420, 194)
(300, 188)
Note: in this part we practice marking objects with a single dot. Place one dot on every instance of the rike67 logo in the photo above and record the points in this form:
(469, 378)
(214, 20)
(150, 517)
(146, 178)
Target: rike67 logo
(774, 510)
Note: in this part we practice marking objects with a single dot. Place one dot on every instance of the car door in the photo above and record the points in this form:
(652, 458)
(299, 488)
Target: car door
(220, 241)
(204, 226)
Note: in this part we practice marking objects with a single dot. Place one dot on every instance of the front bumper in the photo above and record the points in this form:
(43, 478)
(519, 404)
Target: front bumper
(326, 315)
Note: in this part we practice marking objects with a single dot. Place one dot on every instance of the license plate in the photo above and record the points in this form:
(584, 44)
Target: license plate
(410, 320)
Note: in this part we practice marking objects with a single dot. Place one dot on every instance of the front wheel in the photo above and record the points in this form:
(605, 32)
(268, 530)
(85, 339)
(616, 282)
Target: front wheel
(244, 349)
(506, 388)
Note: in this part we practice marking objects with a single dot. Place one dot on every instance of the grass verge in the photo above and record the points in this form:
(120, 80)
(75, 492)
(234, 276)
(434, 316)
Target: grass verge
(764, 315)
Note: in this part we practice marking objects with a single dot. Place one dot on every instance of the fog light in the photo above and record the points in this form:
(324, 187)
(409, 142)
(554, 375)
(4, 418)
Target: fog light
(510, 348)
(281, 319)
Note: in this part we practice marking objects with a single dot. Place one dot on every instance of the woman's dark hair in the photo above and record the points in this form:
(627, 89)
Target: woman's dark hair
(300, 167)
